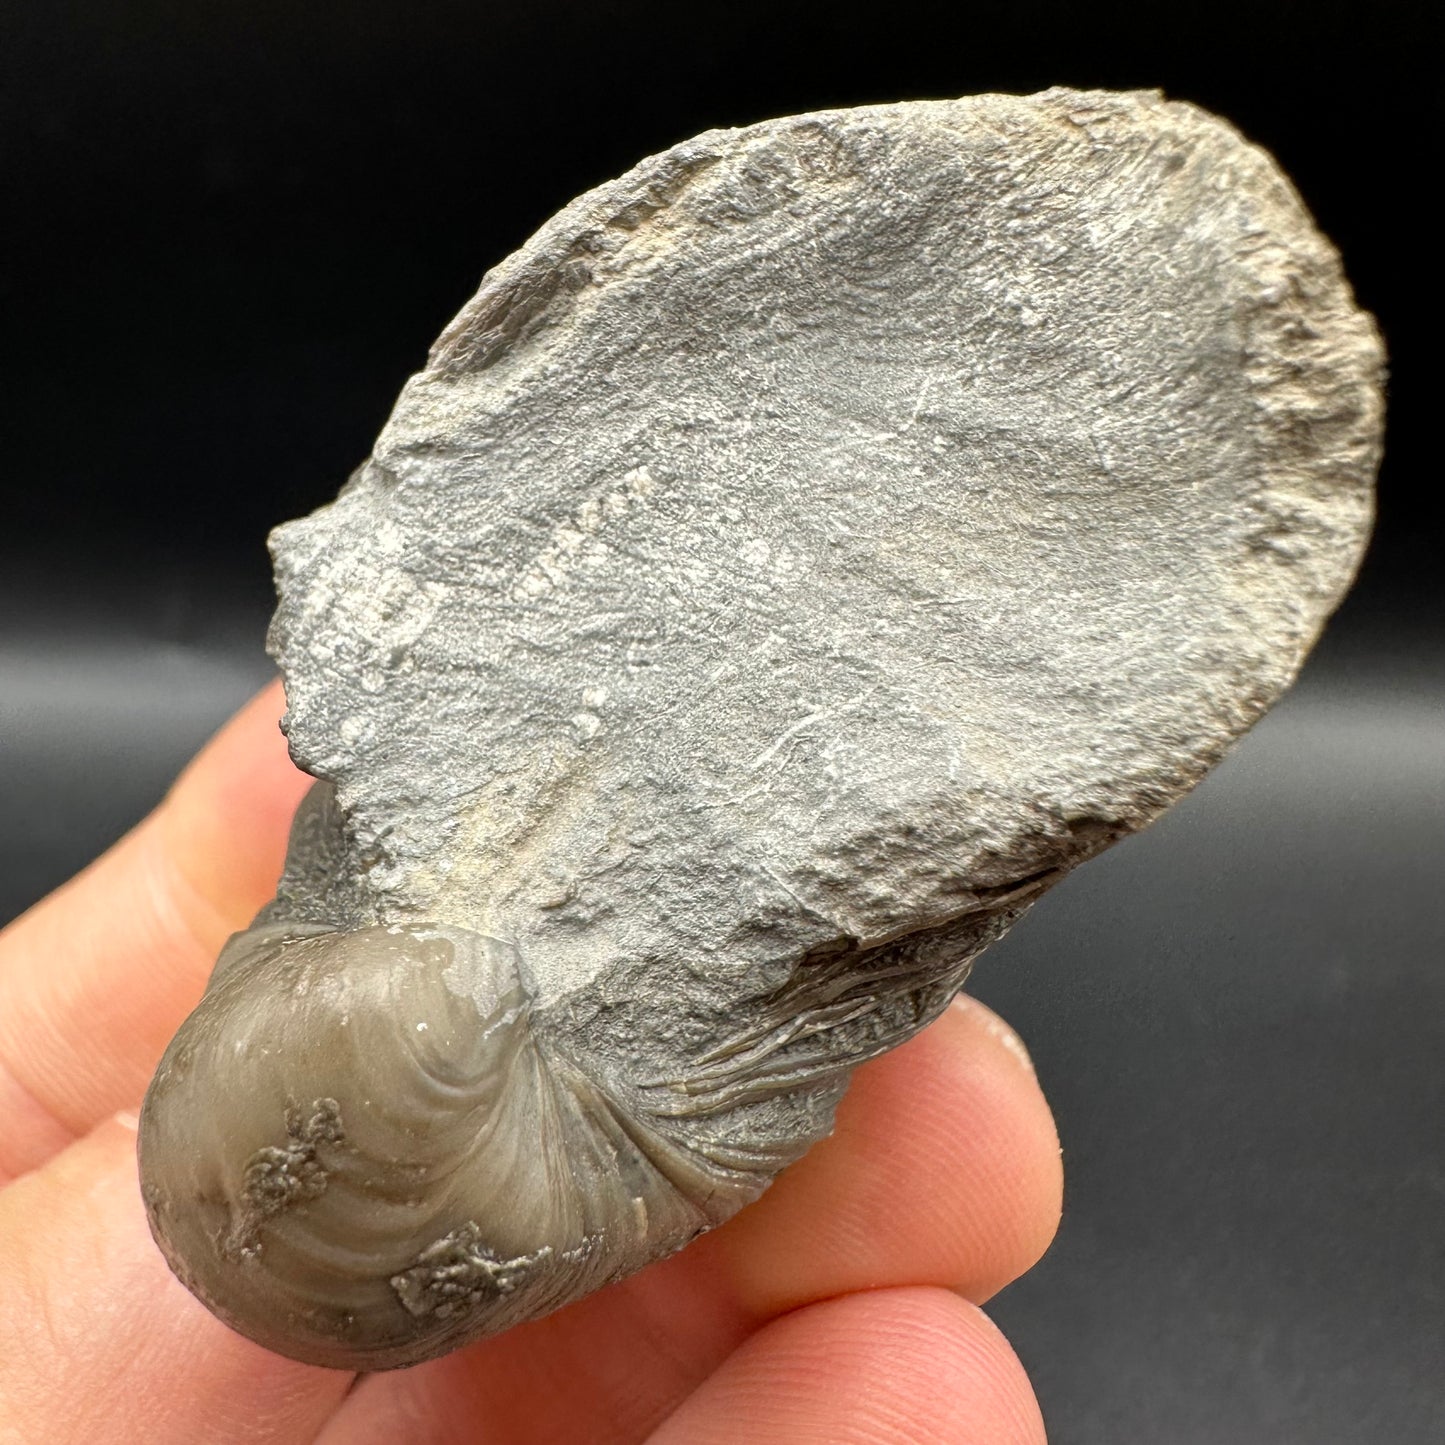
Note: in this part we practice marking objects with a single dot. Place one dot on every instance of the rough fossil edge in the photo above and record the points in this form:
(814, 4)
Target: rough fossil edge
(1315, 362)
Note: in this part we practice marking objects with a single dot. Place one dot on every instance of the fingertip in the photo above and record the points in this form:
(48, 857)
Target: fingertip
(892, 1367)
(979, 1014)
(228, 814)
(944, 1169)
(1031, 1171)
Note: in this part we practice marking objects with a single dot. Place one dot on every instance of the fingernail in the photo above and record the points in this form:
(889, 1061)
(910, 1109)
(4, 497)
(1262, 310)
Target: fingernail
(128, 1119)
(996, 1028)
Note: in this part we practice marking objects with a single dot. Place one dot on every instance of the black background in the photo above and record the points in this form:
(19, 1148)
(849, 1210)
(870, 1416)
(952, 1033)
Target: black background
(231, 230)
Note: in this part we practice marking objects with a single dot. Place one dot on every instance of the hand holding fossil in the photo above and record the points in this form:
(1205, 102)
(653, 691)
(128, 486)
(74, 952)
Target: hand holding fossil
(831, 1299)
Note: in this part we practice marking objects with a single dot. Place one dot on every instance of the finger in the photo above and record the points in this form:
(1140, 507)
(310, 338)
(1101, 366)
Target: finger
(96, 978)
(896, 1367)
(99, 1342)
(944, 1170)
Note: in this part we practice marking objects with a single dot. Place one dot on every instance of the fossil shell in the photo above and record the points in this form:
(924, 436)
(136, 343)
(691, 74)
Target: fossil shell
(796, 557)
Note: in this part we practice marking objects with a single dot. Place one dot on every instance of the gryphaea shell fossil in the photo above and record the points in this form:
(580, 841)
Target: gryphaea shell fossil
(797, 556)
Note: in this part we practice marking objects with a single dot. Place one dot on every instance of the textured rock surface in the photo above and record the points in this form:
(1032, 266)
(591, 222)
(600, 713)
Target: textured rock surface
(797, 556)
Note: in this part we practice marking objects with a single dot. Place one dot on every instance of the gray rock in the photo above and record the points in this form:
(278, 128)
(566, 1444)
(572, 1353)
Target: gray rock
(795, 558)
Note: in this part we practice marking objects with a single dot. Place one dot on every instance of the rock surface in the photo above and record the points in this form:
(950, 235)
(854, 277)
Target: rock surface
(797, 556)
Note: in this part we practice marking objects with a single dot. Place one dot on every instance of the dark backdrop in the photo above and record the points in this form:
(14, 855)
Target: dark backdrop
(231, 229)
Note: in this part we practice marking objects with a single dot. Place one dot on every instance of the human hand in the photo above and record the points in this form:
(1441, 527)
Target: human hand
(842, 1307)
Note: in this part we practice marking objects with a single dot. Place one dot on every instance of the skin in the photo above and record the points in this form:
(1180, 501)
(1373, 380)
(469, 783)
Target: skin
(843, 1307)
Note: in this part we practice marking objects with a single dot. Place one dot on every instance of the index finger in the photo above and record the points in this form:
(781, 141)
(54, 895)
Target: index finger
(96, 978)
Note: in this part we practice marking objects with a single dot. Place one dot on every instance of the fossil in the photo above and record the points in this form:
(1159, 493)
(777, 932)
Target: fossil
(797, 556)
